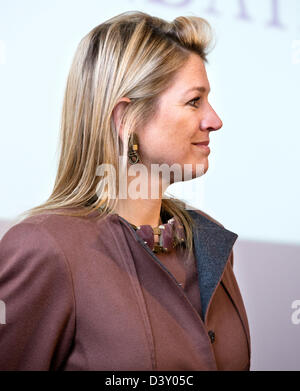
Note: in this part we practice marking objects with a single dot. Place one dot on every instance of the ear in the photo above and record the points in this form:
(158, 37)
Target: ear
(118, 112)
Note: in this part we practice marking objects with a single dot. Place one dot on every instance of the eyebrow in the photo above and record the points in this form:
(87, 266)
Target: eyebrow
(197, 88)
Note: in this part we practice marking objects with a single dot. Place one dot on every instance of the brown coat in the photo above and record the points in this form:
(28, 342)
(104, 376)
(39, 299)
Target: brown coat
(88, 294)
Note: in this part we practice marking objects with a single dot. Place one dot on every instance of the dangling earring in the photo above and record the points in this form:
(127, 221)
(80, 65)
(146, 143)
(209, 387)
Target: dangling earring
(133, 156)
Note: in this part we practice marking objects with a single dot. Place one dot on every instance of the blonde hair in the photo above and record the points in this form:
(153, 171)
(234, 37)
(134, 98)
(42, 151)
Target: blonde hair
(132, 54)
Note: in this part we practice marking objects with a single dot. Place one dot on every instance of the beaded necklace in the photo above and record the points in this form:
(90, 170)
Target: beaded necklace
(163, 238)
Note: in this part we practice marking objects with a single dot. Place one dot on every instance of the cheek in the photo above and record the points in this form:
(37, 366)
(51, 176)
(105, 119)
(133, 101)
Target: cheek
(168, 140)
(168, 145)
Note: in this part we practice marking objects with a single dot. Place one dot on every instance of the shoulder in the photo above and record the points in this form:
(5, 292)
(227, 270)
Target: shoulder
(51, 235)
(32, 258)
(31, 231)
(31, 244)
(36, 286)
(52, 224)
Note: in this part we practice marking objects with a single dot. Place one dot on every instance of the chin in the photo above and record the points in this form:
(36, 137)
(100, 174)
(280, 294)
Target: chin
(200, 169)
(193, 170)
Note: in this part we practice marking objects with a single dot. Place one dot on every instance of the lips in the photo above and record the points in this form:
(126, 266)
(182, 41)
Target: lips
(202, 146)
(202, 143)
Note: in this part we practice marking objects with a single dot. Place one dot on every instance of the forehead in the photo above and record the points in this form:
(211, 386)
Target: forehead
(191, 78)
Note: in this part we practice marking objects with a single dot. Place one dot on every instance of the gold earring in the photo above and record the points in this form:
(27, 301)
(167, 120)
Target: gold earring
(133, 156)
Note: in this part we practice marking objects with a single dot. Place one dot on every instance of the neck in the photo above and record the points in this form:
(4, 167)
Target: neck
(142, 211)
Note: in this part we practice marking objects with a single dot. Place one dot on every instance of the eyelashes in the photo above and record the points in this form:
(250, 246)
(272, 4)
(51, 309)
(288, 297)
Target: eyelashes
(194, 100)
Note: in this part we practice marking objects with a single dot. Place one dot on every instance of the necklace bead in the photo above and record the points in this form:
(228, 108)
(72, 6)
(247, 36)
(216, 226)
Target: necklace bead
(164, 237)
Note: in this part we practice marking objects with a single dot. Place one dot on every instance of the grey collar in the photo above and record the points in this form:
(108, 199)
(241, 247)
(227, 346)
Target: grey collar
(212, 244)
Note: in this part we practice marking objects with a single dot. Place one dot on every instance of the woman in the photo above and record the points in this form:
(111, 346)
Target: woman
(95, 280)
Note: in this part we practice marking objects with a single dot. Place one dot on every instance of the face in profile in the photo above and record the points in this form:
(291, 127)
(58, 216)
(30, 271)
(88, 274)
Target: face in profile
(184, 119)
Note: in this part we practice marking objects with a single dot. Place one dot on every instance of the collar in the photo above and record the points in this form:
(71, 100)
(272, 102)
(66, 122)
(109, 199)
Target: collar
(212, 246)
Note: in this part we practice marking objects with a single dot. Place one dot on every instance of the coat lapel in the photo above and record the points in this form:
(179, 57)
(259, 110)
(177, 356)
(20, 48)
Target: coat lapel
(212, 244)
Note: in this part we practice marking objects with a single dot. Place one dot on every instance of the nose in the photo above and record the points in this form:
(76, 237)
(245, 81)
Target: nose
(211, 120)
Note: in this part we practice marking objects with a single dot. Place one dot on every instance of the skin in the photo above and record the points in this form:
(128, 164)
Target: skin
(182, 119)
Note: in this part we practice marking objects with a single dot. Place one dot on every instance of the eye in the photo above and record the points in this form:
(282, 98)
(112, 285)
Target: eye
(194, 100)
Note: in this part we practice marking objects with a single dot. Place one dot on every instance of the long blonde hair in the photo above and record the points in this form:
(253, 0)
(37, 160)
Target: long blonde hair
(132, 54)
